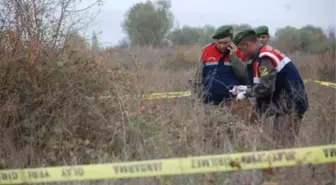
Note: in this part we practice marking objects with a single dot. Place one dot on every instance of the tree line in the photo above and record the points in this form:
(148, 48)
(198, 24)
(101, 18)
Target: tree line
(151, 23)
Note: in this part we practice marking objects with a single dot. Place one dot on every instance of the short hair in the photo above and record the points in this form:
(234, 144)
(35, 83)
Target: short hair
(250, 38)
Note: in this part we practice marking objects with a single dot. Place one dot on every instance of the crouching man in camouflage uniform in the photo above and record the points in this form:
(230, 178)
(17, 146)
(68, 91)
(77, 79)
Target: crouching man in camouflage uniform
(277, 86)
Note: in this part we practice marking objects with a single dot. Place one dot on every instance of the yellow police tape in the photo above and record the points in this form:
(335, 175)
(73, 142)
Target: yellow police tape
(174, 166)
(323, 83)
(168, 95)
(154, 96)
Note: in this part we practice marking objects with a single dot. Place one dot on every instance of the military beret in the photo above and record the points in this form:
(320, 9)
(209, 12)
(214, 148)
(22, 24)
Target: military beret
(261, 30)
(241, 35)
(223, 31)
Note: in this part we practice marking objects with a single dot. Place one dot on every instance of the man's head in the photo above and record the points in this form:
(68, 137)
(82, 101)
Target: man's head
(262, 33)
(223, 37)
(247, 42)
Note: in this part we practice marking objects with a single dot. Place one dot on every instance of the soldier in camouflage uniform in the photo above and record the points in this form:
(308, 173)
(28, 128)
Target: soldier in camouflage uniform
(278, 86)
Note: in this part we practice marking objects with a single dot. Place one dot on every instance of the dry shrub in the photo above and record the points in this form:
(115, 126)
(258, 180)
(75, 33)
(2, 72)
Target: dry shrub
(52, 122)
(316, 67)
(178, 61)
(326, 70)
(185, 58)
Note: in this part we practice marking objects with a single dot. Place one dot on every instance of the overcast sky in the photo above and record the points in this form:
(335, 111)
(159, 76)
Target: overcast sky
(273, 13)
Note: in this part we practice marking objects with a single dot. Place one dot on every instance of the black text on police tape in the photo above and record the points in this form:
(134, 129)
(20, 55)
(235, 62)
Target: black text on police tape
(8, 176)
(38, 174)
(245, 159)
(136, 168)
(329, 152)
(69, 172)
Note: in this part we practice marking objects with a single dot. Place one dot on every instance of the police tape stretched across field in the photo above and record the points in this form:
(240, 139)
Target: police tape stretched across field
(174, 166)
(153, 96)
(169, 95)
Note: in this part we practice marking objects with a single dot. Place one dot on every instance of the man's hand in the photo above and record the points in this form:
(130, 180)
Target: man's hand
(233, 48)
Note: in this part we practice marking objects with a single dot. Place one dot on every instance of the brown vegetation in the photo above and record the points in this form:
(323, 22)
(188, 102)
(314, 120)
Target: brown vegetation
(71, 107)
(58, 123)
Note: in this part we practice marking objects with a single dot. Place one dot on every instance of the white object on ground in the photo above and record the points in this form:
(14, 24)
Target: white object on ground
(237, 89)
(241, 95)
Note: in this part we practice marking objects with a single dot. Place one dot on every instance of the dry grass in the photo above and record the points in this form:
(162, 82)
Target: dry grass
(57, 124)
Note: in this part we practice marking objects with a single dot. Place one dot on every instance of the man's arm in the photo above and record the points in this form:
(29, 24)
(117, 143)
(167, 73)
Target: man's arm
(239, 68)
(268, 77)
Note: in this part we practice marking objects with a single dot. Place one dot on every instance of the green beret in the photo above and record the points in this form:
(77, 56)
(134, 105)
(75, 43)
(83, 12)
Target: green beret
(262, 30)
(241, 35)
(222, 32)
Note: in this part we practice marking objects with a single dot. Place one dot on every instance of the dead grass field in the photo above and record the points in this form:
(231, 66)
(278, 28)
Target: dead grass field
(56, 123)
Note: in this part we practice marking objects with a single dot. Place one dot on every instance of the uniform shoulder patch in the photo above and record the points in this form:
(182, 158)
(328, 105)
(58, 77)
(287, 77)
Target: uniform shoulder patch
(263, 71)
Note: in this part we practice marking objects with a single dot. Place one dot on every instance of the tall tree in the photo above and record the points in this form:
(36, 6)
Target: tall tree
(307, 39)
(187, 35)
(148, 23)
(288, 39)
(310, 36)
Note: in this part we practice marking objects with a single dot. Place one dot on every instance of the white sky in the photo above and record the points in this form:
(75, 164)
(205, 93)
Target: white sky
(273, 13)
